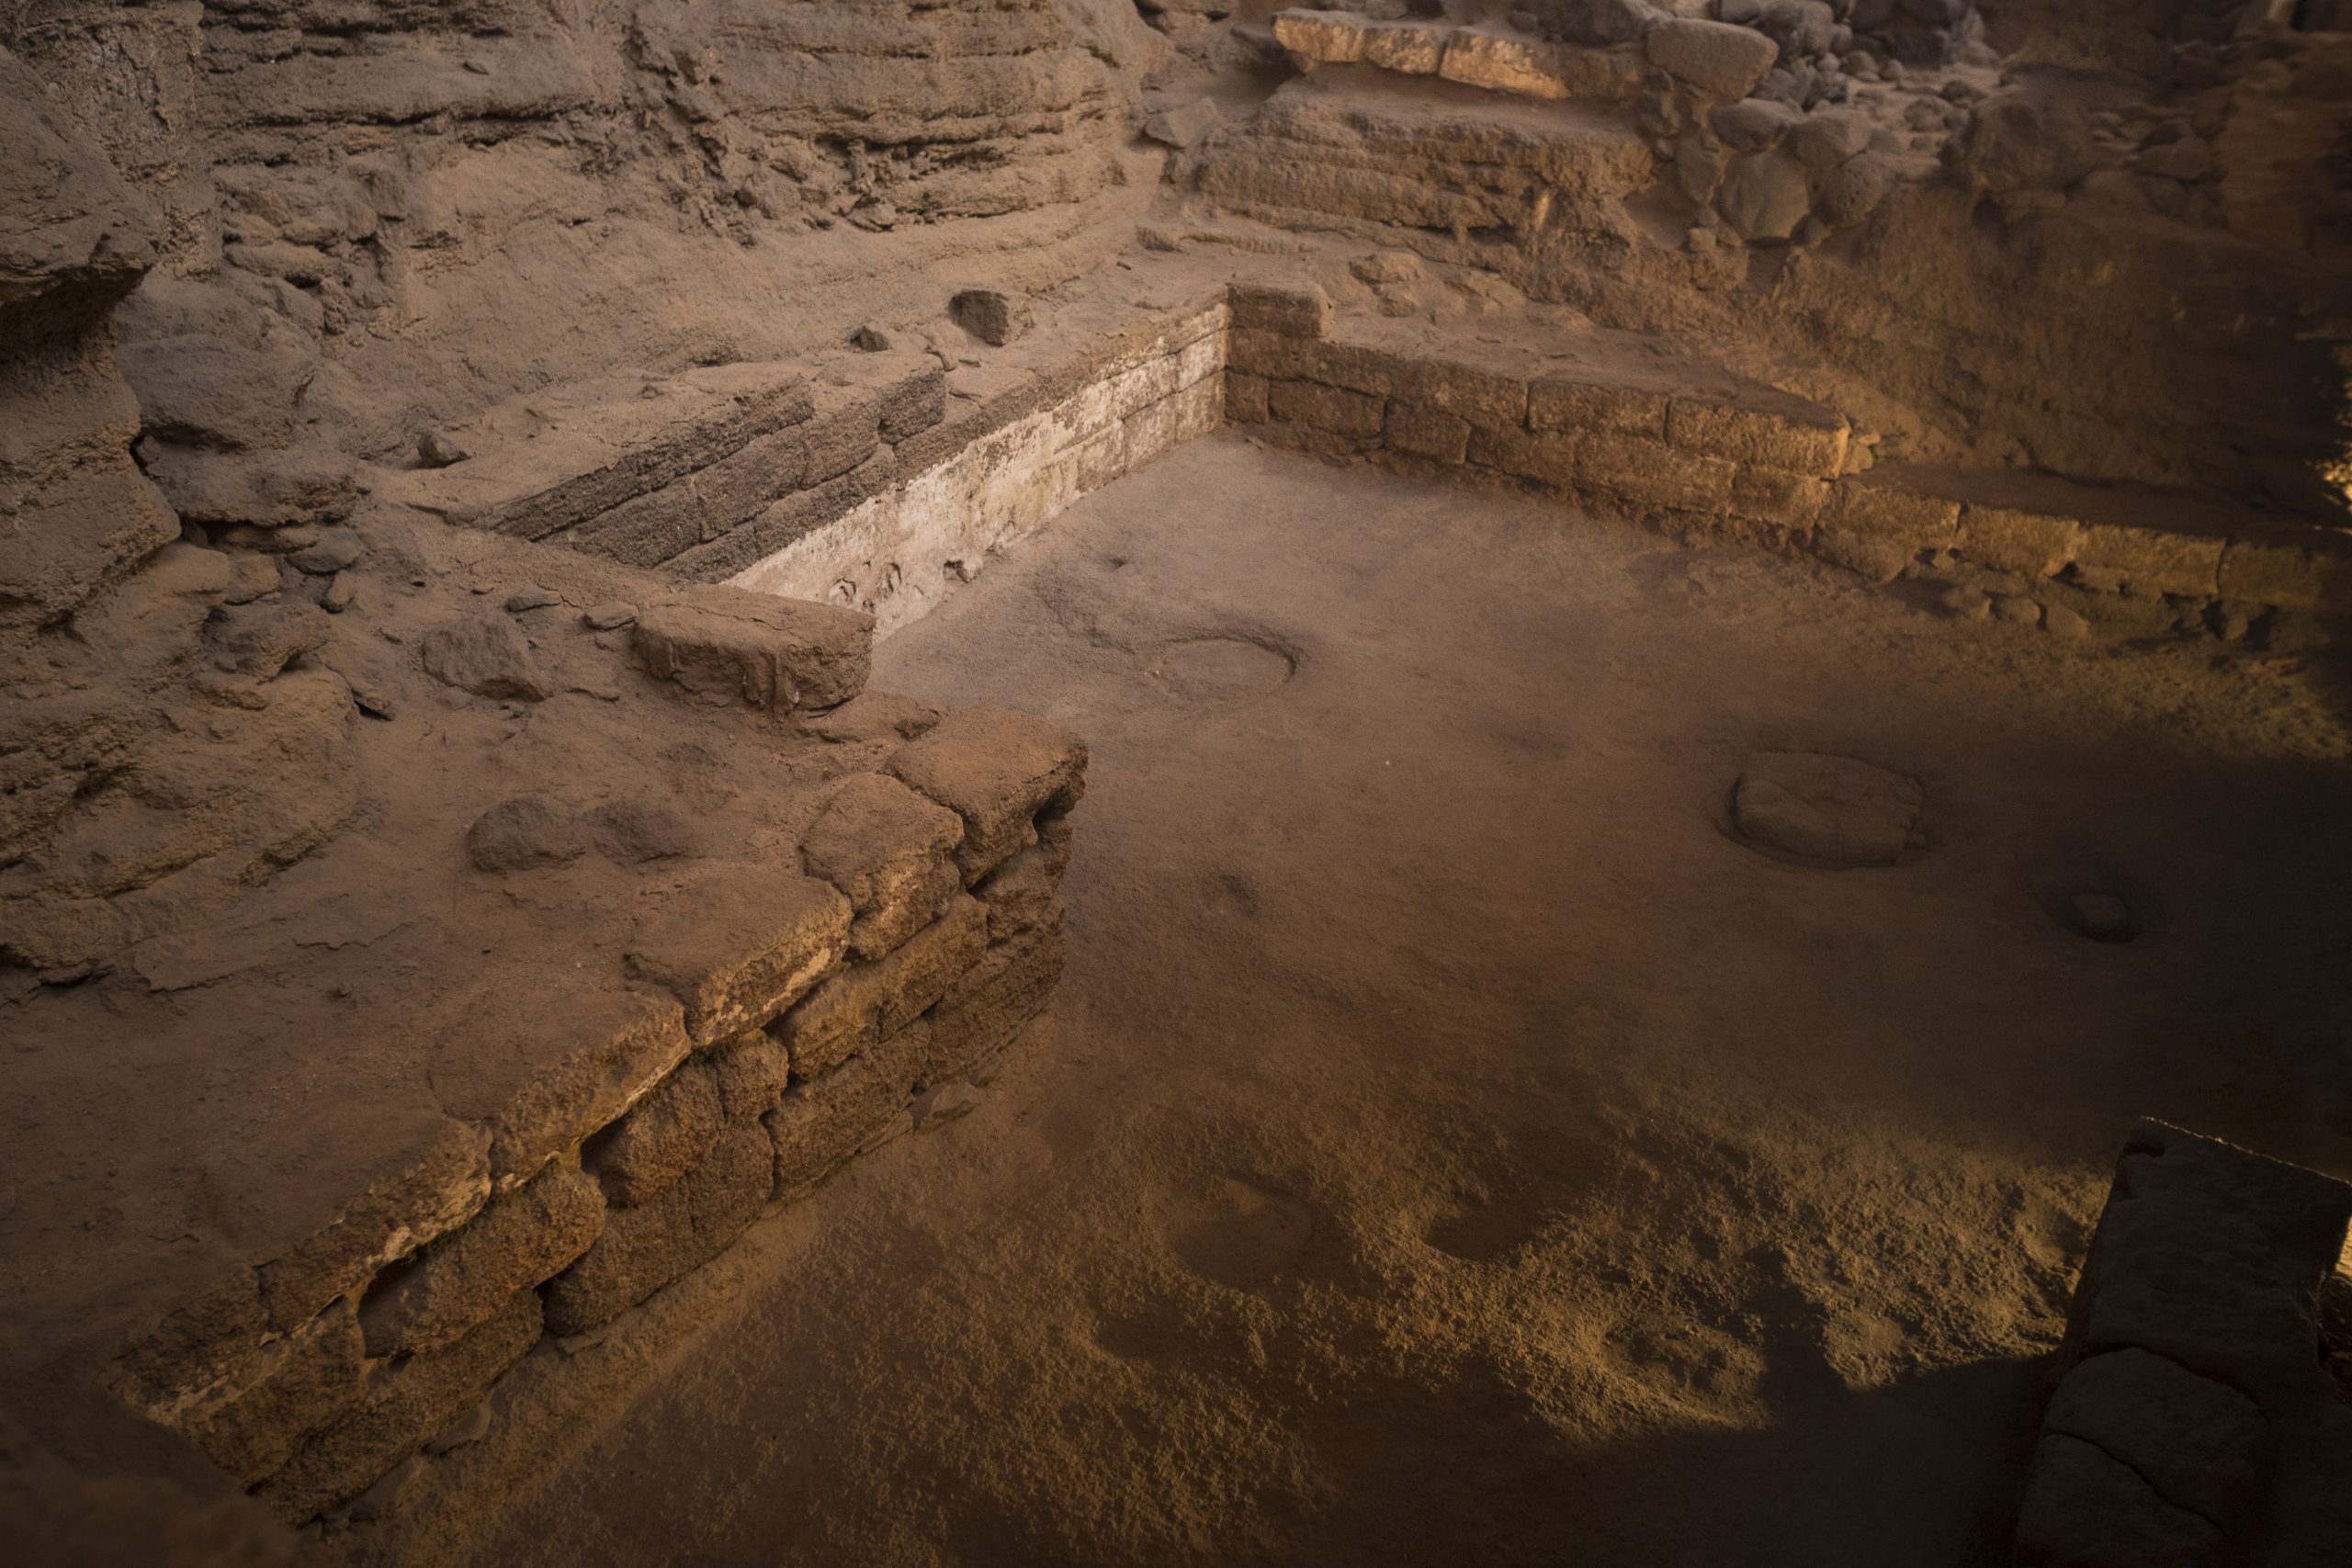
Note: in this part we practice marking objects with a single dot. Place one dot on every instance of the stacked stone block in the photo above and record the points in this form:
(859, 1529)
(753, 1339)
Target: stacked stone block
(2196, 1421)
(776, 1024)
(1750, 463)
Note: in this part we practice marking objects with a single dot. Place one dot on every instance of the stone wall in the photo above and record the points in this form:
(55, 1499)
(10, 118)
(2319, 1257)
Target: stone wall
(777, 1027)
(1741, 461)
(2204, 1410)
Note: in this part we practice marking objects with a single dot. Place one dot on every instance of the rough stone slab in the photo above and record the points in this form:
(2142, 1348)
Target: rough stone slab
(1332, 409)
(1507, 62)
(590, 1053)
(727, 646)
(888, 851)
(2151, 562)
(459, 1282)
(2028, 543)
(1794, 436)
(998, 771)
(1293, 312)
(664, 1136)
(645, 1248)
(407, 1402)
(863, 1003)
(988, 1006)
(447, 1184)
(1416, 48)
(1720, 59)
(2291, 576)
(1024, 891)
(287, 1390)
(1889, 512)
(823, 1122)
(2211, 1257)
(2199, 1443)
(737, 944)
(1321, 38)
(1557, 403)
(1838, 811)
(2084, 1510)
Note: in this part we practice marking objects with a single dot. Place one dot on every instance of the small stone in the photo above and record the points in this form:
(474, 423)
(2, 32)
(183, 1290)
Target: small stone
(342, 592)
(609, 616)
(944, 1104)
(573, 1344)
(525, 831)
(1752, 124)
(488, 656)
(439, 449)
(2064, 622)
(336, 548)
(991, 315)
(1855, 191)
(1717, 57)
(633, 831)
(870, 339)
(463, 1432)
(523, 599)
(1183, 127)
(2102, 917)
(1387, 266)
(1764, 197)
(1961, 603)
(2016, 608)
(1829, 810)
(1702, 242)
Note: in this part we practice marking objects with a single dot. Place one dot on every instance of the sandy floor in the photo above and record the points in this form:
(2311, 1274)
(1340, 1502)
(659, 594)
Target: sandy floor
(1455, 1146)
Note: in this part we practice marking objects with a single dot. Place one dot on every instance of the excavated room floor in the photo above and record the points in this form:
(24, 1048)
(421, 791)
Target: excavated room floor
(1454, 1144)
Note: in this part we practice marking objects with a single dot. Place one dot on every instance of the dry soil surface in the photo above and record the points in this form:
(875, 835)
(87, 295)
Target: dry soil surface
(1455, 1146)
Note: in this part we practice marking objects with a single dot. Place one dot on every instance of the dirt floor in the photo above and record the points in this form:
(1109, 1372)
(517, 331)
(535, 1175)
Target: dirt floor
(1454, 1146)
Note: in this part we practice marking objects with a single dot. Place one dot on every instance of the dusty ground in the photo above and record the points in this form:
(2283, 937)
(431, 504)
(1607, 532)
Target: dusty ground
(1455, 1146)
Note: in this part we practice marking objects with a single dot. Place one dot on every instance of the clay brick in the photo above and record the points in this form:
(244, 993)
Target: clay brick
(459, 1283)
(1273, 357)
(1324, 38)
(738, 946)
(839, 439)
(1334, 409)
(286, 1391)
(821, 1123)
(980, 1015)
(2149, 562)
(1889, 512)
(444, 1189)
(406, 1403)
(1023, 891)
(645, 1248)
(1774, 495)
(863, 1003)
(725, 645)
(1799, 437)
(887, 850)
(998, 771)
(2028, 543)
(2256, 572)
(664, 1136)
(914, 403)
(1425, 433)
(1294, 312)
(2201, 1444)
(1556, 403)
(1480, 396)
(1245, 398)
(2085, 1510)
(751, 1073)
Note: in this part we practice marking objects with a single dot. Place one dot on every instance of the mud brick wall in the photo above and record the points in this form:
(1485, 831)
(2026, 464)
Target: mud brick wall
(2204, 1413)
(776, 1028)
(1755, 465)
(894, 534)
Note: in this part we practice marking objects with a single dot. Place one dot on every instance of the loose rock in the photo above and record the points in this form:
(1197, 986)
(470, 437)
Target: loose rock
(1834, 811)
